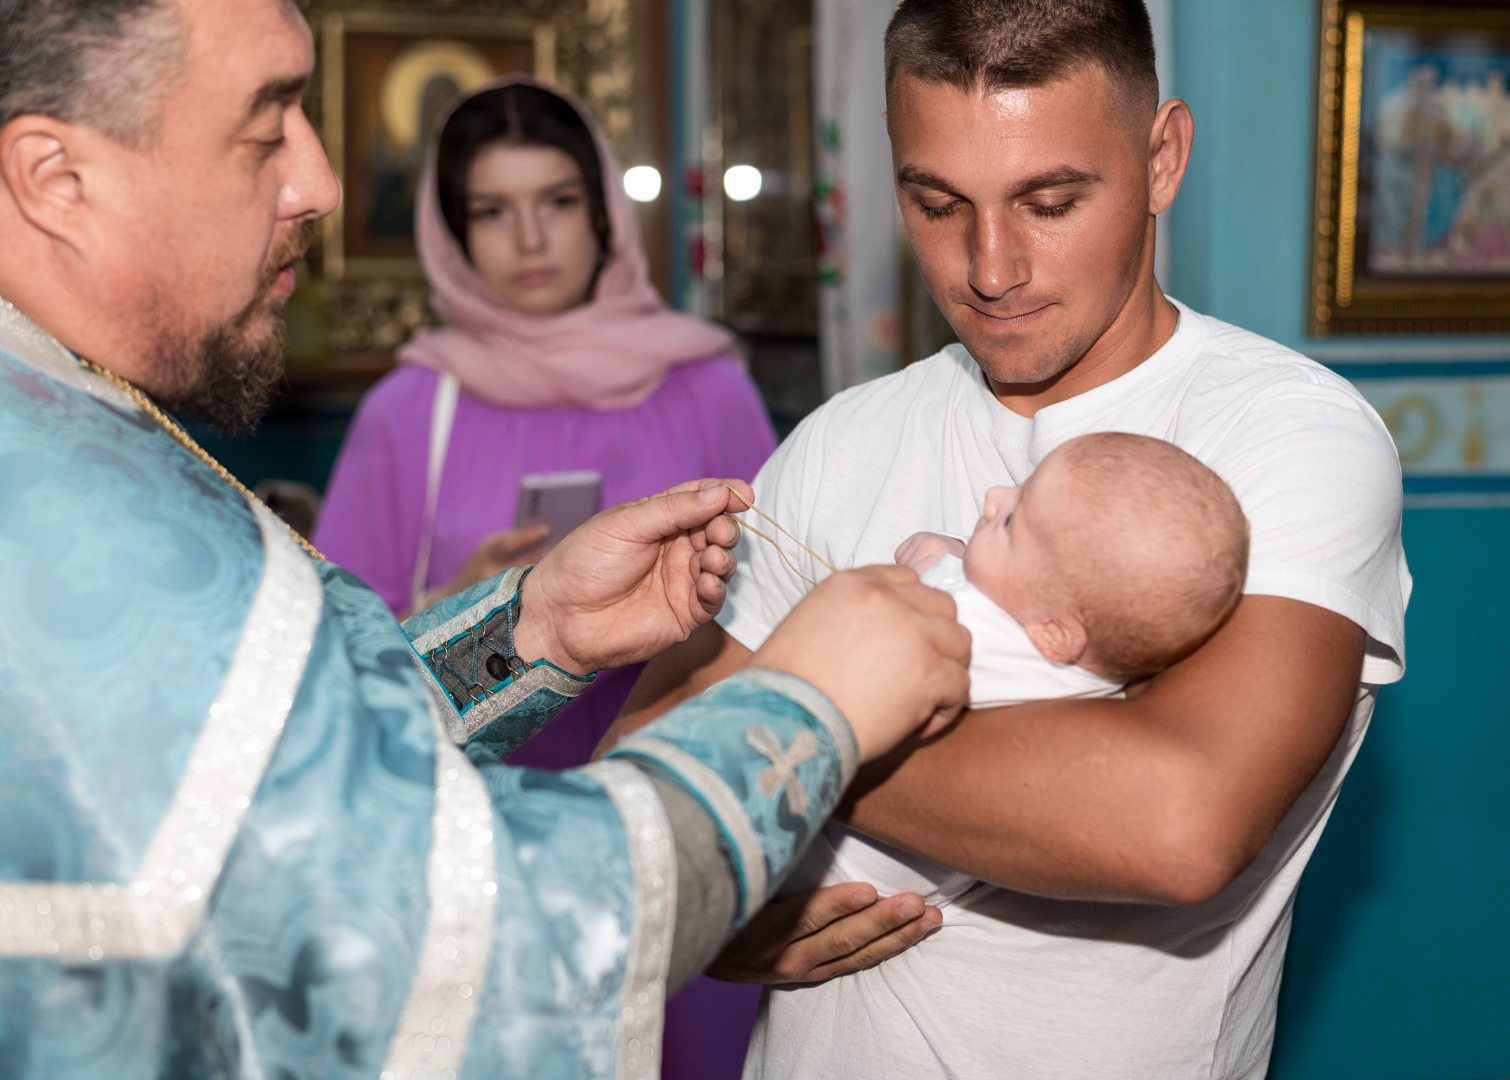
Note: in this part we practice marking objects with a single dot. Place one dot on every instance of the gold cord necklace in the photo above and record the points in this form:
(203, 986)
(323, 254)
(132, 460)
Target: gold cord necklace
(147, 406)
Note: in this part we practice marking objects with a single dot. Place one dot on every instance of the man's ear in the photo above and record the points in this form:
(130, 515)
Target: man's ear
(1061, 639)
(1169, 144)
(40, 169)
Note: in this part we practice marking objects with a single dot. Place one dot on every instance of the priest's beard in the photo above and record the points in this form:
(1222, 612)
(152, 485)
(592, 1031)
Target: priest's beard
(230, 374)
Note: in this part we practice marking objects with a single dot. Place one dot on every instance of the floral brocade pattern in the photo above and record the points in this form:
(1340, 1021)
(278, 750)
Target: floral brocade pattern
(129, 570)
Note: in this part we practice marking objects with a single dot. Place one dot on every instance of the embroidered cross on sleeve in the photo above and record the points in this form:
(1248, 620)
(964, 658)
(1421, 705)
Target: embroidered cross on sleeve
(783, 770)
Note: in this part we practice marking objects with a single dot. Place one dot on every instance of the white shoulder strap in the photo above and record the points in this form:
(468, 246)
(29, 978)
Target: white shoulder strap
(442, 416)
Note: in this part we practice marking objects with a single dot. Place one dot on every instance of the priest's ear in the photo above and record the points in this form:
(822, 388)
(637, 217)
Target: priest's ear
(46, 166)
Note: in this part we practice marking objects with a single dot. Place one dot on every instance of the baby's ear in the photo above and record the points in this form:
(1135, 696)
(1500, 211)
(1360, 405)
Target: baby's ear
(1061, 639)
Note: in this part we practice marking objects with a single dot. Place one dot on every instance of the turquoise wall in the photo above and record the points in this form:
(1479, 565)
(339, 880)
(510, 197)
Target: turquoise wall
(1399, 964)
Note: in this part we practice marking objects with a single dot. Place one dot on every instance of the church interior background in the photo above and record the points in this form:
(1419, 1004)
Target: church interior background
(770, 212)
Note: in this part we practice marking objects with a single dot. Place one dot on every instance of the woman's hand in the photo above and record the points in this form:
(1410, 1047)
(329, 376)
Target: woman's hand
(493, 555)
(817, 935)
(632, 580)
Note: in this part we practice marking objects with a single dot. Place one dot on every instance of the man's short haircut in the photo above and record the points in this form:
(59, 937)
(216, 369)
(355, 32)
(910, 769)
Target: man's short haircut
(1156, 555)
(104, 64)
(994, 45)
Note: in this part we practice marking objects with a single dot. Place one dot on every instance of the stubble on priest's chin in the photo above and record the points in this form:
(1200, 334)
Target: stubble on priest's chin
(229, 375)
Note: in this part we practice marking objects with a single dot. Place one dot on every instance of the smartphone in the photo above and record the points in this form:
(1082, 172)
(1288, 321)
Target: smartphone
(562, 500)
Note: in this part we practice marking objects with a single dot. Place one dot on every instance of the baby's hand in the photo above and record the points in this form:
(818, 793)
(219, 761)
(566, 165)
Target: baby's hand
(921, 550)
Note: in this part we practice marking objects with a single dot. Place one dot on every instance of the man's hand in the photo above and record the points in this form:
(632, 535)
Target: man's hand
(921, 551)
(886, 650)
(818, 935)
(632, 580)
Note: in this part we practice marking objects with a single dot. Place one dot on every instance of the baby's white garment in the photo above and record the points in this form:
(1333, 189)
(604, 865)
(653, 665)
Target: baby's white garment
(1005, 669)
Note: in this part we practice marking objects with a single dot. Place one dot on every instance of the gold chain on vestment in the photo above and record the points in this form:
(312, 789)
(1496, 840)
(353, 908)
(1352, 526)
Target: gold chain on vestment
(168, 424)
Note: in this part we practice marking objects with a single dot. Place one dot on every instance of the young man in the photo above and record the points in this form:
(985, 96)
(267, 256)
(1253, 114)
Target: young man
(236, 836)
(1148, 849)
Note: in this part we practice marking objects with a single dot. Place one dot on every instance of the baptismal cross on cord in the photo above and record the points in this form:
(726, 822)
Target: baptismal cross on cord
(775, 543)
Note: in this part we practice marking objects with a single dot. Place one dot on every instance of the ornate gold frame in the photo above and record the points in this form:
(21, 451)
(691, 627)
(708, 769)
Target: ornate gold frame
(334, 29)
(1341, 302)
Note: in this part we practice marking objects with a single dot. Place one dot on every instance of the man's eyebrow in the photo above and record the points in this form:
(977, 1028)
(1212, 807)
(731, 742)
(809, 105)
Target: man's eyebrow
(277, 92)
(1064, 177)
(911, 174)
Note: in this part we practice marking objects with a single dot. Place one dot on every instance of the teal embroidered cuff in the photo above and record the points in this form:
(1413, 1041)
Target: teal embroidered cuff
(768, 756)
(465, 647)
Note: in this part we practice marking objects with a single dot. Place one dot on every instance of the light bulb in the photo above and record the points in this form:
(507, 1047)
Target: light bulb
(642, 183)
(742, 182)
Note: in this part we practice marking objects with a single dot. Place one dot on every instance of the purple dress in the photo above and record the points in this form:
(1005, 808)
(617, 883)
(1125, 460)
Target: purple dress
(706, 419)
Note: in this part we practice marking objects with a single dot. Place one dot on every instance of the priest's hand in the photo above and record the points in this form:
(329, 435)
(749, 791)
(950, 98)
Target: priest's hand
(632, 580)
(889, 653)
(885, 649)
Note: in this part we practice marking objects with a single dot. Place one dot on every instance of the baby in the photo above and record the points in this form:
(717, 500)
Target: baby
(1120, 555)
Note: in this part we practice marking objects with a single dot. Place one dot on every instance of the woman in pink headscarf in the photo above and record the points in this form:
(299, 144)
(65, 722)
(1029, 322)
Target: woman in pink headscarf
(558, 356)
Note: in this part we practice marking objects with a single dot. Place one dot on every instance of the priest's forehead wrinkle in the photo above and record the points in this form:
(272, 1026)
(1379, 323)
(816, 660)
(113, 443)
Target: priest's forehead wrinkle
(105, 64)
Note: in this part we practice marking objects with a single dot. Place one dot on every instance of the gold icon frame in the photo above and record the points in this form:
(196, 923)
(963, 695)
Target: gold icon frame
(1344, 299)
(337, 32)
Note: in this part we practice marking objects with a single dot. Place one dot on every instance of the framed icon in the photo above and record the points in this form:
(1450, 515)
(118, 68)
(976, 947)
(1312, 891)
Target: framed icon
(386, 78)
(1412, 198)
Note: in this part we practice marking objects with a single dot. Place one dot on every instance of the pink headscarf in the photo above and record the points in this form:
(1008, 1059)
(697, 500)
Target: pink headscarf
(610, 353)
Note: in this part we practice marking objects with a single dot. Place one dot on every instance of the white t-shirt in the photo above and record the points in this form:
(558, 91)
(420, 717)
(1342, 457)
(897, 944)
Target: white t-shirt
(1020, 985)
(1005, 669)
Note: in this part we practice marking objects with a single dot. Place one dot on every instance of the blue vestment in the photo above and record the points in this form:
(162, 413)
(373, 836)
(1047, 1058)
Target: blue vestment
(238, 835)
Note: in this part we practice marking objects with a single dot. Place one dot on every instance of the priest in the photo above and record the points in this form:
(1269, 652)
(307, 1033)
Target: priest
(248, 824)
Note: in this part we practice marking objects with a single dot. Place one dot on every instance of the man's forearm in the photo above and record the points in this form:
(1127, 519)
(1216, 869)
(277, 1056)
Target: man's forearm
(1164, 797)
(1057, 798)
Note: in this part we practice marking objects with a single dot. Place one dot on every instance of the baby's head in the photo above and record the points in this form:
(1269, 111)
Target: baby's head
(1121, 553)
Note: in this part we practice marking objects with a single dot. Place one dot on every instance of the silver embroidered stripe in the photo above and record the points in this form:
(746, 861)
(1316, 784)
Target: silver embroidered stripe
(461, 882)
(653, 859)
(152, 916)
(35, 347)
(706, 785)
(516, 693)
(441, 703)
(464, 620)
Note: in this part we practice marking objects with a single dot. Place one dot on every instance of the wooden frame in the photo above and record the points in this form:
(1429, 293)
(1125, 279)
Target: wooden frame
(1412, 199)
(373, 62)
